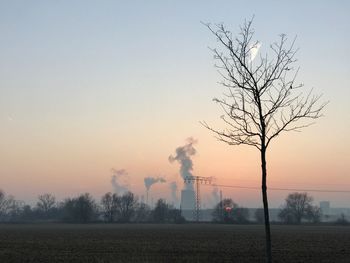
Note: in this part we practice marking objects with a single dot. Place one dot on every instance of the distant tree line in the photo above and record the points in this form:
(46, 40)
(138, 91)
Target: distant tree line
(84, 209)
(126, 208)
(298, 208)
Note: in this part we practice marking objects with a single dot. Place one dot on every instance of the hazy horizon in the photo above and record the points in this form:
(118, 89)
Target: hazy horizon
(89, 86)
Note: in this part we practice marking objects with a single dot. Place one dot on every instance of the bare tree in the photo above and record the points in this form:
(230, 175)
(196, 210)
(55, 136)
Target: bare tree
(46, 202)
(166, 213)
(109, 204)
(79, 209)
(299, 206)
(161, 211)
(314, 214)
(3, 203)
(126, 206)
(10, 208)
(142, 213)
(262, 98)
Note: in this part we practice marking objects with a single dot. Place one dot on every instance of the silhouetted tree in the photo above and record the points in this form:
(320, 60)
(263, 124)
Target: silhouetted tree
(10, 208)
(299, 206)
(314, 214)
(126, 206)
(166, 213)
(142, 213)
(160, 212)
(3, 205)
(27, 214)
(109, 204)
(80, 209)
(175, 216)
(262, 98)
(46, 204)
(15, 209)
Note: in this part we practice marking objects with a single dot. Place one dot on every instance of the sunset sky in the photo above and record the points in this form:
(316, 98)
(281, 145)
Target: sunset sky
(87, 86)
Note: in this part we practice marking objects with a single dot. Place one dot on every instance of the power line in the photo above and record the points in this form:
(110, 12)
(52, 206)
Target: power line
(283, 189)
(198, 180)
(310, 190)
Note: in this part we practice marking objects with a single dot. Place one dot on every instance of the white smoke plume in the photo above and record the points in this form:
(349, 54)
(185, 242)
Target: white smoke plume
(215, 196)
(149, 181)
(183, 156)
(119, 181)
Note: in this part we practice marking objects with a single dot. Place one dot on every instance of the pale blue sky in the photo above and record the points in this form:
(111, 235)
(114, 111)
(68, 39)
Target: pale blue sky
(80, 73)
(69, 52)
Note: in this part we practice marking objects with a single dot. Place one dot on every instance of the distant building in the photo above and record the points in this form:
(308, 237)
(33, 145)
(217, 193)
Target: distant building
(332, 214)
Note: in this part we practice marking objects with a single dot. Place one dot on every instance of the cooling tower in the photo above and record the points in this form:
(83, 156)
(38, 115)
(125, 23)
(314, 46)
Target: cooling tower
(187, 200)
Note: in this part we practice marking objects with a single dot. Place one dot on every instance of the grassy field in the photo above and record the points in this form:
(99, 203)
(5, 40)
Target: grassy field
(171, 243)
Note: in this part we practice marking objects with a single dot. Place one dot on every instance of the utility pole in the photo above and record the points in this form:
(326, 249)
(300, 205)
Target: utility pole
(198, 180)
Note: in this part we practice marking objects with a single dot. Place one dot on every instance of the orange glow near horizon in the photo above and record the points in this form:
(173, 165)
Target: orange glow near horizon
(70, 169)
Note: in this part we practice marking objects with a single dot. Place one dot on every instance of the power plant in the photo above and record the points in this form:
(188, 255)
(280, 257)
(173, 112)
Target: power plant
(192, 199)
(188, 200)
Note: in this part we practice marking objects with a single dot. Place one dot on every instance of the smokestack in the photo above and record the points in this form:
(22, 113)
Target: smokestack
(149, 181)
(119, 181)
(183, 157)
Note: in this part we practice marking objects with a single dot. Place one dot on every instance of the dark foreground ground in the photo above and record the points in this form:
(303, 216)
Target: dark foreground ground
(171, 243)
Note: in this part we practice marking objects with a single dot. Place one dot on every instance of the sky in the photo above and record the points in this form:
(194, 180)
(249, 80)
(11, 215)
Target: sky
(87, 86)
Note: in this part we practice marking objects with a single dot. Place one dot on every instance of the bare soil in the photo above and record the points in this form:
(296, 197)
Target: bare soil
(170, 243)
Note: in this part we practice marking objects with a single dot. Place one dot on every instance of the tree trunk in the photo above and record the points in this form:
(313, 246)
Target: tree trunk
(266, 205)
